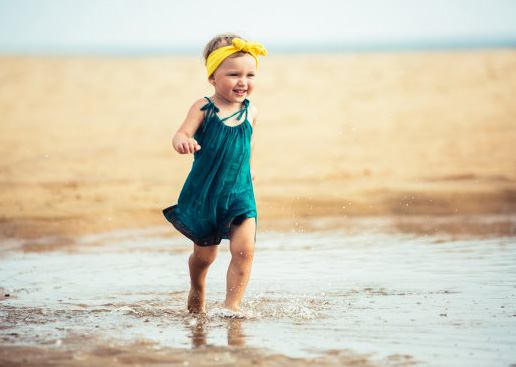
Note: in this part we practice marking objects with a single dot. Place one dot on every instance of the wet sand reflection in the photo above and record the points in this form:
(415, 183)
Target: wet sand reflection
(199, 329)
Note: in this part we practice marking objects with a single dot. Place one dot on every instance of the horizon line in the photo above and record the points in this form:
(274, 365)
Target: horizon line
(334, 47)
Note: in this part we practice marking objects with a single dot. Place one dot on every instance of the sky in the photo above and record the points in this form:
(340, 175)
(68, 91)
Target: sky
(47, 26)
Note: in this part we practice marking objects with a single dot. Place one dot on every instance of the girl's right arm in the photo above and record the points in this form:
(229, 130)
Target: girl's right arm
(183, 141)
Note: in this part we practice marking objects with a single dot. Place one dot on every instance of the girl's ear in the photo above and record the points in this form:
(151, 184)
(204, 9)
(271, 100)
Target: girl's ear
(211, 79)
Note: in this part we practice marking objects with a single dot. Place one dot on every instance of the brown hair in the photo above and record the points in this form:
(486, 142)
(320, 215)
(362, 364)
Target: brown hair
(222, 40)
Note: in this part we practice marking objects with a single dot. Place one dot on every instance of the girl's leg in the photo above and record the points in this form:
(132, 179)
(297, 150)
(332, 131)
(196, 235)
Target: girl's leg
(199, 263)
(242, 252)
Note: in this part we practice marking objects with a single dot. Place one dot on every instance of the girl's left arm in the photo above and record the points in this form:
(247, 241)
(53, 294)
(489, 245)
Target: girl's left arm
(251, 161)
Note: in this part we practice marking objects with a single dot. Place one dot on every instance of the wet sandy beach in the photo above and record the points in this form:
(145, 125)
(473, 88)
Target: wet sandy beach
(364, 294)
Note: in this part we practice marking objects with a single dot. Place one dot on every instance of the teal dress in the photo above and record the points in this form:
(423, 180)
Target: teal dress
(219, 189)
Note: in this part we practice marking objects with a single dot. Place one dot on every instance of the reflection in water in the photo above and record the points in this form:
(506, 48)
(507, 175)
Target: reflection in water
(200, 325)
(235, 334)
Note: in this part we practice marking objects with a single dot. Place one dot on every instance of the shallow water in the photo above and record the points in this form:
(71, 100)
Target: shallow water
(440, 300)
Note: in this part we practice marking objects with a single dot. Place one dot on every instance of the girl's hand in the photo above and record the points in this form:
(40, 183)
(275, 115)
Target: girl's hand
(188, 146)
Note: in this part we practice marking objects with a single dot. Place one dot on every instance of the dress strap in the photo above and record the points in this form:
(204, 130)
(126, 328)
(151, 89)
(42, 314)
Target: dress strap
(210, 108)
(241, 112)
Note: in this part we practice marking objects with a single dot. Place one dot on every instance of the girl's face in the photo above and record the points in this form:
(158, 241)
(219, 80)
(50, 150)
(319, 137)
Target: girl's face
(234, 78)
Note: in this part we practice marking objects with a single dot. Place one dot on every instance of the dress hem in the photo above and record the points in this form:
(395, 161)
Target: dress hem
(213, 240)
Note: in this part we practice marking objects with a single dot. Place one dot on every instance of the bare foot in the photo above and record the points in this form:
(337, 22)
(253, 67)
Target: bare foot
(196, 301)
(236, 312)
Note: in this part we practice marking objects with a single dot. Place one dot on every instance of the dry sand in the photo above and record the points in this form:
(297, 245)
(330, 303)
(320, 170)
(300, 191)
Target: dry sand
(85, 143)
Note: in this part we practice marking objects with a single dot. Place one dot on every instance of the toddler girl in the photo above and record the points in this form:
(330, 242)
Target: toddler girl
(217, 199)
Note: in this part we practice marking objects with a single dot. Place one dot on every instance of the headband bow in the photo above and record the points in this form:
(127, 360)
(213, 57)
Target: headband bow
(237, 45)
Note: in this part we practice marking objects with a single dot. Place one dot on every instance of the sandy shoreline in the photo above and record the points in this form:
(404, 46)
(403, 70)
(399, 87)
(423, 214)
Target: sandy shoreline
(85, 143)
(143, 354)
(81, 351)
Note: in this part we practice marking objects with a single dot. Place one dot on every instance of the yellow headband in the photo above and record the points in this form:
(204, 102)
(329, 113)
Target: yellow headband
(221, 54)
